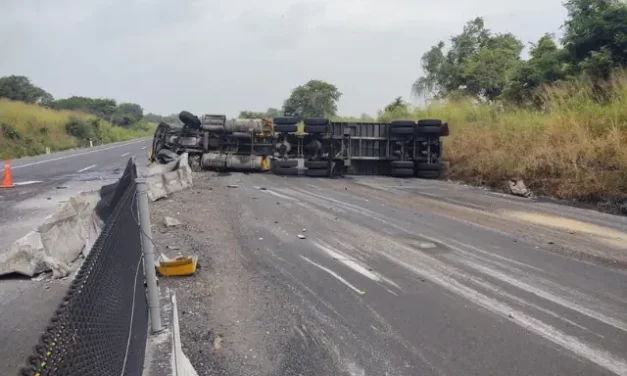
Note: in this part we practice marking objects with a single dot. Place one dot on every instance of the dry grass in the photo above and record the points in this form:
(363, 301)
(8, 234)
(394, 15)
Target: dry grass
(575, 149)
(27, 129)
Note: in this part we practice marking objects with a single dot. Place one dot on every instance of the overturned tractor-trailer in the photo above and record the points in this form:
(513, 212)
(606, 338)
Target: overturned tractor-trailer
(319, 148)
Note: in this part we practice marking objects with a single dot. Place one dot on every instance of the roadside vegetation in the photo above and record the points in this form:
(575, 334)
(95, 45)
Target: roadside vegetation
(31, 120)
(558, 119)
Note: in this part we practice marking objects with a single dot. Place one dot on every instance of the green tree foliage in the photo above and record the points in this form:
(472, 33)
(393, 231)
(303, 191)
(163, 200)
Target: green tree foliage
(271, 113)
(478, 64)
(596, 35)
(252, 115)
(19, 88)
(487, 66)
(314, 99)
(396, 105)
(547, 64)
(101, 107)
(172, 119)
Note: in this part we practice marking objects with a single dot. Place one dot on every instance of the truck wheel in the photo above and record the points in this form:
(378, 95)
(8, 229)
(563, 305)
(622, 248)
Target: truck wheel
(317, 172)
(402, 172)
(402, 123)
(429, 166)
(189, 119)
(285, 128)
(430, 130)
(285, 171)
(402, 164)
(317, 164)
(430, 123)
(286, 120)
(284, 163)
(428, 174)
(402, 130)
(317, 121)
(315, 129)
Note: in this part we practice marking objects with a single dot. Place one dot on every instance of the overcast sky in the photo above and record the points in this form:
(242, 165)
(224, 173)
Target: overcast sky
(223, 56)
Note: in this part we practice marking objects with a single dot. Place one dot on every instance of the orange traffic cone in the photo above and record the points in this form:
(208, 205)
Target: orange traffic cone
(7, 181)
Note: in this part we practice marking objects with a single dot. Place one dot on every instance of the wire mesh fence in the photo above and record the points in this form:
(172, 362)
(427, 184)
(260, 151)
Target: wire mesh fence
(100, 327)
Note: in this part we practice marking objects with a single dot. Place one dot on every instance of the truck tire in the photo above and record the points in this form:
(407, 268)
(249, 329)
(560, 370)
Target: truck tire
(399, 172)
(316, 129)
(319, 172)
(285, 171)
(429, 166)
(285, 128)
(429, 130)
(281, 163)
(286, 120)
(402, 123)
(402, 164)
(190, 119)
(264, 150)
(428, 174)
(317, 164)
(402, 130)
(430, 123)
(317, 121)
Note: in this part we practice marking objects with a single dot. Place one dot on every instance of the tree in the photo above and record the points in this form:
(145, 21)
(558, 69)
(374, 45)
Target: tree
(252, 115)
(314, 99)
(477, 64)
(397, 105)
(273, 112)
(547, 64)
(19, 88)
(596, 35)
(101, 107)
(128, 113)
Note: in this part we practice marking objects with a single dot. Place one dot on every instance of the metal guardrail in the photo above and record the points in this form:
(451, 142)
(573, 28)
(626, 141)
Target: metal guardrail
(101, 325)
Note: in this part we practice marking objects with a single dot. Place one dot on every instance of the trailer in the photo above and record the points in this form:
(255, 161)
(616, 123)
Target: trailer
(314, 147)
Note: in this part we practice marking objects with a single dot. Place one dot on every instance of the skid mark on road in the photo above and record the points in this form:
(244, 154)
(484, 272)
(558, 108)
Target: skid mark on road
(353, 264)
(454, 280)
(334, 274)
(433, 271)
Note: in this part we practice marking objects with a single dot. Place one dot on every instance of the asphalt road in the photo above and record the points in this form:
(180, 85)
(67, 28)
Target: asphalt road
(394, 277)
(44, 183)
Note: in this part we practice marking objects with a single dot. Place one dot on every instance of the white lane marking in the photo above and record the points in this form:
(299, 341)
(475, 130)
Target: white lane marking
(392, 292)
(86, 168)
(334, 274)
(75, 155)
(124, 155)
(28, 182)
(143, 148)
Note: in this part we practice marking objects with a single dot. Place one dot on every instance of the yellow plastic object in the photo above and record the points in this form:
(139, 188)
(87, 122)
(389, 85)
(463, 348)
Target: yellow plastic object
(265, 164)
(182, 265)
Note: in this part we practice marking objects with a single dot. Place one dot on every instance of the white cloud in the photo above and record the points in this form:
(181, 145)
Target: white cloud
(222, 56)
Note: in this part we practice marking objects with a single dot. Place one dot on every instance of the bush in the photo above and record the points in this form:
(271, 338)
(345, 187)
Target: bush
(80, 128)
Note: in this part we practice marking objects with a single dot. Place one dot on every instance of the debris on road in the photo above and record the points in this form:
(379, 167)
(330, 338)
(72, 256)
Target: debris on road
(301, 236)
(304, 230)
(163, 180)
(517, 187)
(171, 222)
(173, 247)
(181, 266)
(58, 241)
(233, 186)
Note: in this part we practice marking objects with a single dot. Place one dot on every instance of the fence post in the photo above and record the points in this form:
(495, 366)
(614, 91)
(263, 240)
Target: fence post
(149, 255)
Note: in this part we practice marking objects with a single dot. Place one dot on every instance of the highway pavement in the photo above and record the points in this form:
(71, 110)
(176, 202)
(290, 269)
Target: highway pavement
(43, 184)
(384, 276)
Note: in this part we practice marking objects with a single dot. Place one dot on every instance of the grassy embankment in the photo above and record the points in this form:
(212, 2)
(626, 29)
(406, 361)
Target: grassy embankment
(27, 129)
(575, 149)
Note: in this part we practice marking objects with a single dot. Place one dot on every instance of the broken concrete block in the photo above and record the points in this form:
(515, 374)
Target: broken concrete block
(171, 222)
(517, 187)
